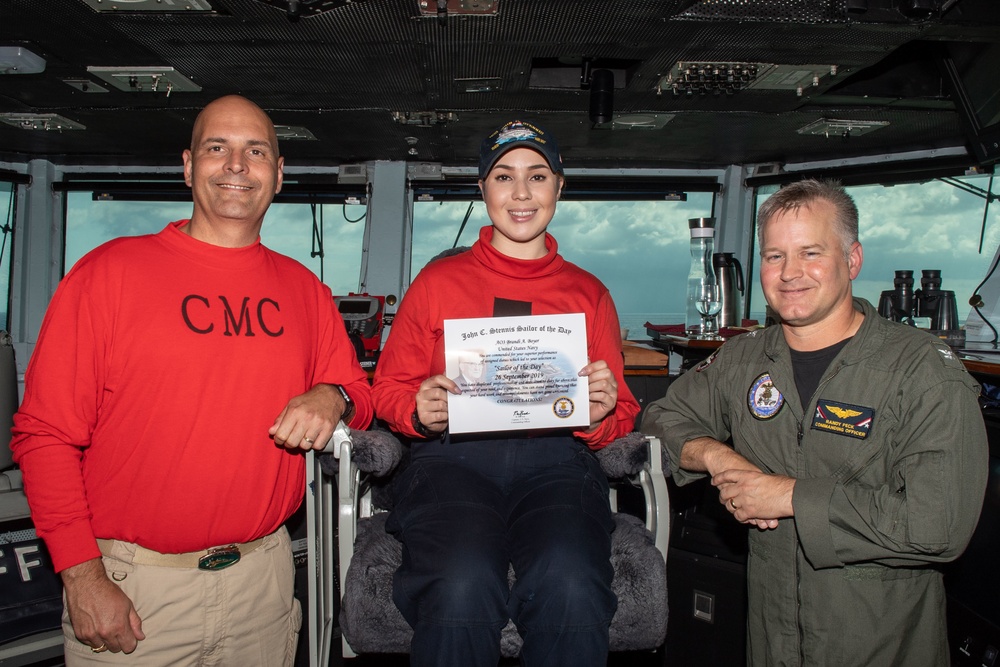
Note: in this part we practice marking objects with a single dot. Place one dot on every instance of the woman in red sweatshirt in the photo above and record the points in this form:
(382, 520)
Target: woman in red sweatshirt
(468, 506)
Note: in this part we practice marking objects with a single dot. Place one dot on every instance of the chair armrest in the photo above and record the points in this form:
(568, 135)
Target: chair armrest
(341, 433)
(644, 462)
(337, 460)
(348, 488)
(653, 480)
(321, 503)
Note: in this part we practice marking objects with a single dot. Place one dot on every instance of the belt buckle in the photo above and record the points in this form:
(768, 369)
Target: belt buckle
(220, 558)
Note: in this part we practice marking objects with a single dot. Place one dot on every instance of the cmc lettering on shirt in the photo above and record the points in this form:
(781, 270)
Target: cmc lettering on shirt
(201, 315)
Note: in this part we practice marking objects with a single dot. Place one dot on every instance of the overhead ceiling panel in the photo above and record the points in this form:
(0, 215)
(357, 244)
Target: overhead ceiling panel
(342, 72)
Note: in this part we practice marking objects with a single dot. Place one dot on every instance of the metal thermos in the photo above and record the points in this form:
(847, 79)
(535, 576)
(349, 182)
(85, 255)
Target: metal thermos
(729, 274)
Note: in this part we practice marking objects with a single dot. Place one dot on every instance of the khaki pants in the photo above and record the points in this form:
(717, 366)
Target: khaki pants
(243, 616)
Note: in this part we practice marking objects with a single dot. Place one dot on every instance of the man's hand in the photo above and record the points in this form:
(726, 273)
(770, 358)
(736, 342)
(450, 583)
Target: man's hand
(754, 497)
(727, 466)
(307, 422)
(432, 402)
(102, 615)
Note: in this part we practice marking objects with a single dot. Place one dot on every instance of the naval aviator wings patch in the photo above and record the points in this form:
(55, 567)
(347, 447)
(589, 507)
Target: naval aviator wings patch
(851, 420)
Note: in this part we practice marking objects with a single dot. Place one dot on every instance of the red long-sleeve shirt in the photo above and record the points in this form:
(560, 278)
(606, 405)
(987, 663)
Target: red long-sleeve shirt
(160, 366)
(468, 285)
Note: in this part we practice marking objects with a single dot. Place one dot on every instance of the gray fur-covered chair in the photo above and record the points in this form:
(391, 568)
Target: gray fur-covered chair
(362, 464)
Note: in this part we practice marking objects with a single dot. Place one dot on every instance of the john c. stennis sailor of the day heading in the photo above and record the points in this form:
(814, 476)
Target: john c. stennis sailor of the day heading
(466, 335)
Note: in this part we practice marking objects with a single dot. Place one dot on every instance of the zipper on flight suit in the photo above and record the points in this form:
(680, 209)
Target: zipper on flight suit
(827, 376)
(795, 566)
(798, 547)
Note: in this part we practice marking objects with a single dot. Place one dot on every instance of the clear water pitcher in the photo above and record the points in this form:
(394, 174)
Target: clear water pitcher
(703, 300)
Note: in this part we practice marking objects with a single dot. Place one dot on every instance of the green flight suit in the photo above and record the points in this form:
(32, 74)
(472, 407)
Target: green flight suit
(890, 458)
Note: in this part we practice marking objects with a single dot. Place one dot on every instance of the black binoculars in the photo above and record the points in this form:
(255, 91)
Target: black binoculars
(903, 303)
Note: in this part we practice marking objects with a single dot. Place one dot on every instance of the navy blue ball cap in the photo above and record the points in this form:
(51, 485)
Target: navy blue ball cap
(512, 135)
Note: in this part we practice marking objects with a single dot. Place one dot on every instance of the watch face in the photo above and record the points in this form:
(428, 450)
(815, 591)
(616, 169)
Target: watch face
(348, 412)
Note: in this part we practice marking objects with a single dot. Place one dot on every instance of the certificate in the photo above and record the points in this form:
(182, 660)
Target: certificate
(517, 372)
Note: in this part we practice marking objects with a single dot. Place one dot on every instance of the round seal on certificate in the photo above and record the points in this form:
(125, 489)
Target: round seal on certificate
(563, 407)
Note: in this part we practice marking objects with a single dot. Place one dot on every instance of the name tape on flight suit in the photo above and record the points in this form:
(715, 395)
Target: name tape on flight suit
(843, 418)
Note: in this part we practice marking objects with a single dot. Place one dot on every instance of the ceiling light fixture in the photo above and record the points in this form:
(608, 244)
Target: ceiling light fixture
(146, 79)
(85, 85)
(19, 60)
(40, 121)
(832, 127)
(294, 132)
(162, 6)
(640, 121)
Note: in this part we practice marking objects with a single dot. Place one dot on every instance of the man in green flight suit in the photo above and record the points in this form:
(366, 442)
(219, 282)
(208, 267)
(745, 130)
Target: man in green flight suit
(859, 454)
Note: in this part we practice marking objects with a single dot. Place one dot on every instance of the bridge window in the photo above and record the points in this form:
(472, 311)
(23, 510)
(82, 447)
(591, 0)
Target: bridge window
(326, 238)
(639, 248)
(935, 224)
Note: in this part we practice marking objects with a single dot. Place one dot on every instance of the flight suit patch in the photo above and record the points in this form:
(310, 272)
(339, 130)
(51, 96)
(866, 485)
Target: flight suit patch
(706, 362)
(764, 399)
(851, 420)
